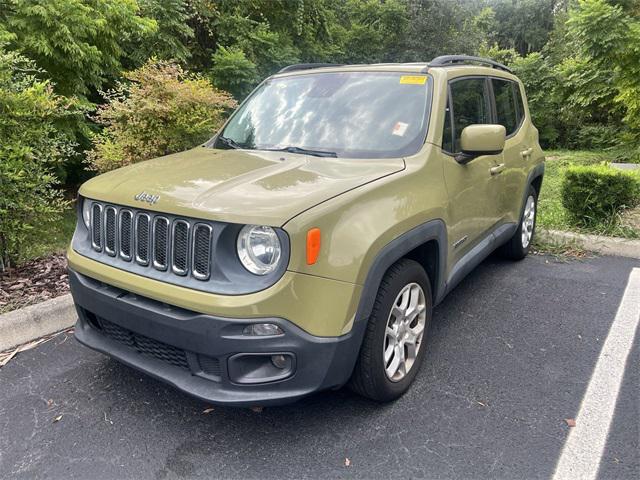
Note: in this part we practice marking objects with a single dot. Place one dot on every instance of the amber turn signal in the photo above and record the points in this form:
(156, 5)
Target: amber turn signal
(313, 245)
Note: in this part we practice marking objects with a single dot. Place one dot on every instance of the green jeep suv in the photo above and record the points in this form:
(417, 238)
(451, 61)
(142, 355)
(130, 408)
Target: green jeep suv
(305, 245)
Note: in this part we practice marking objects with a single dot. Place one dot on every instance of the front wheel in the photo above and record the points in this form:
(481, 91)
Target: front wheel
(393, 346)
(518, 246)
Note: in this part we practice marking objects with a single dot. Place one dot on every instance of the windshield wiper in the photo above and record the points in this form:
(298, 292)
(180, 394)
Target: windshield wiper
(304, 151)
(229, 142)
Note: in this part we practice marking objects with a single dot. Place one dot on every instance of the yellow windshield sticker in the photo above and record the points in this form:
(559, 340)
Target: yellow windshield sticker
(413, 80)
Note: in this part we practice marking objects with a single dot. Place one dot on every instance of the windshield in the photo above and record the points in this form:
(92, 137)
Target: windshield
(346, 114)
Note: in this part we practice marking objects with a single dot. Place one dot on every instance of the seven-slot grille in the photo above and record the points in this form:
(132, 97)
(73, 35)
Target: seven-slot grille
(182, 246)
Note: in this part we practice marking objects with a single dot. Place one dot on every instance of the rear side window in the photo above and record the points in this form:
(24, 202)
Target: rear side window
(516, 89)
(469, 105)
(506, 109)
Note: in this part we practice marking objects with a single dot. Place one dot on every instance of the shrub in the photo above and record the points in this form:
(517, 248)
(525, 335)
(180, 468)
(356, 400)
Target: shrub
(595, 194)
(161, 110)
(30, 148)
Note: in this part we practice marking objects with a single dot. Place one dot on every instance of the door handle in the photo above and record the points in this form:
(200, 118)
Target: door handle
(526, 153)
(497, 169)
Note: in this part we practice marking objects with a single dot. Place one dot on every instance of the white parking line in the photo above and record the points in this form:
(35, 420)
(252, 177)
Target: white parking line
(584, 447)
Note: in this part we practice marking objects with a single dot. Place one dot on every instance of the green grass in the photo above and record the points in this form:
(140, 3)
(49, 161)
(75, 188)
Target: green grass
(561, 252)
(55, 239)
(551, 213)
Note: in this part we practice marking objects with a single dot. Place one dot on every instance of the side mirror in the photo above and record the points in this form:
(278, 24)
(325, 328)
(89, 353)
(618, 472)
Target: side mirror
(477, 140)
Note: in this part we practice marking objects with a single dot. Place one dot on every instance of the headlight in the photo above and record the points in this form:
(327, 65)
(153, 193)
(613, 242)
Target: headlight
(259, 249)
(86, 212)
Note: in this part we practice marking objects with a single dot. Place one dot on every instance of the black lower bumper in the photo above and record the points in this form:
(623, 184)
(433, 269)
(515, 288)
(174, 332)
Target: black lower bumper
(193, 351)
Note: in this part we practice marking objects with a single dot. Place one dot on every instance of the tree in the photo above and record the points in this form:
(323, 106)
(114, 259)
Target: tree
(269, 50)
(541, 82)
(524, 25)
(605, 69)
(369, 31)
(443, 27)
(233, 71)
(170, 40)
(79, 43)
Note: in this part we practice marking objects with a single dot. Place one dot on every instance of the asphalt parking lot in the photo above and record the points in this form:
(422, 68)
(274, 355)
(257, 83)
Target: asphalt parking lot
(510, 355)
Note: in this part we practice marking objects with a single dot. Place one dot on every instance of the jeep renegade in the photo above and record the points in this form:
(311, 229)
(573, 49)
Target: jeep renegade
(305, 245)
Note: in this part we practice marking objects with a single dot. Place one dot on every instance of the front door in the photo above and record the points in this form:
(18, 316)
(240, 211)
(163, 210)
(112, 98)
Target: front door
(473, 188)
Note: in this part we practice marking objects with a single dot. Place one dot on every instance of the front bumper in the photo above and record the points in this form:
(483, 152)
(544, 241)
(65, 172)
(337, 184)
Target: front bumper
(191, 350)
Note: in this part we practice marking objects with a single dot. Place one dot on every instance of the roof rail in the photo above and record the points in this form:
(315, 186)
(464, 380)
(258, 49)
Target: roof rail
(307, 66)
(451, 60)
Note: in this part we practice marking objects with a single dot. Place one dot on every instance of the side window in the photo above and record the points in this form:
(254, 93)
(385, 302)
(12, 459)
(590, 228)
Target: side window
(506, 109)
(447, 135)
(470, 104)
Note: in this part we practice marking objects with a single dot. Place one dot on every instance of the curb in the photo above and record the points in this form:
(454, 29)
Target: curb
(618, 247)
(35, 321)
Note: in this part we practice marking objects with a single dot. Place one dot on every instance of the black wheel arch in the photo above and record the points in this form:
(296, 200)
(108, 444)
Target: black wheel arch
(534, 179)
(426, 244)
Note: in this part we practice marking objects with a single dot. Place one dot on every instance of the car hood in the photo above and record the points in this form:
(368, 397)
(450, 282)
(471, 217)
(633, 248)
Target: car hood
(238, 186)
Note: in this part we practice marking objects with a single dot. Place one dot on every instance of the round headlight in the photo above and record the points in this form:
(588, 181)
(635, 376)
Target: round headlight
(259, 249)
(86, 212)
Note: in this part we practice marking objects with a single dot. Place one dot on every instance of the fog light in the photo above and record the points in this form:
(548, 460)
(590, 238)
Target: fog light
(262, 329)
(280, 361)
(253, 368)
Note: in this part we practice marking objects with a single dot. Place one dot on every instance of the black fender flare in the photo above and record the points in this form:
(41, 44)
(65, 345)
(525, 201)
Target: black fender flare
(387, 256)
(536, 172)
(394, 251)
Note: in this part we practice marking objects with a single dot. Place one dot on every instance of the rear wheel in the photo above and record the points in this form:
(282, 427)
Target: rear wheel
(393, 346)
(518, 246)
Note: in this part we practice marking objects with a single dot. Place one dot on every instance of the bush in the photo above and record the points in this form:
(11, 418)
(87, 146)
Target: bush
(596, 194)
(30, 148)
(162, 110)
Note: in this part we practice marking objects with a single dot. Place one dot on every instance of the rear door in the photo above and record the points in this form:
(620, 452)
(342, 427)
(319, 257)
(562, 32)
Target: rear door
(473, 196)
(509, 111)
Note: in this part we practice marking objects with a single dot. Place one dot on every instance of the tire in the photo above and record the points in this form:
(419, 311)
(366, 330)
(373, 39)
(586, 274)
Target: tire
(403, 282)
(517, 248)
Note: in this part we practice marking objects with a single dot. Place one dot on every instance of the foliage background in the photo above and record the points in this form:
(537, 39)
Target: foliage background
(86, 64)
(580, 59)
(158, 110)
(31, 146)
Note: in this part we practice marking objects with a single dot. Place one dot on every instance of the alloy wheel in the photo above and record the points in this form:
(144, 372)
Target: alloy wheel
(404, 331)
(528, 221)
